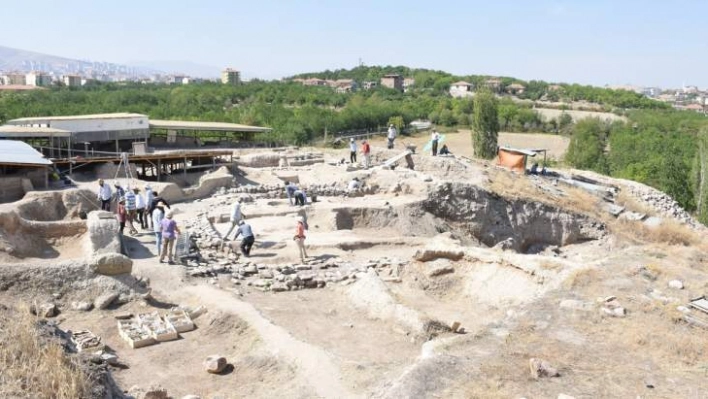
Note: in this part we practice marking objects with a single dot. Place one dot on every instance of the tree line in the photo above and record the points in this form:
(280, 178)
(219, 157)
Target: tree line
(667, 150)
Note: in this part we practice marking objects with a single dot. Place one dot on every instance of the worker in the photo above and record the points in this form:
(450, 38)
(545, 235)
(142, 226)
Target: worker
(354, 185)
(149, 196)
(169, 236)
(121, 214)
(444, 150)
(366, 150)
(391, 135)
(299, 196)
(158, 213)
(300, 238)
(140, 207)
(352, 150)
(130, 207)
(245, 230)
(434, 141)
(120, 193)
(235, 217)
(104, 195)
(290, 191)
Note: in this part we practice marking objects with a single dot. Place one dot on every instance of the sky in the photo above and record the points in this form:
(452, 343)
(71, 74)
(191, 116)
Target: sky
(600, 42)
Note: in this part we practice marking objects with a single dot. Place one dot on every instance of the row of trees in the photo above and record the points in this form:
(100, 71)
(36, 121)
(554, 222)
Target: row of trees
(296, 113)
(667, 150)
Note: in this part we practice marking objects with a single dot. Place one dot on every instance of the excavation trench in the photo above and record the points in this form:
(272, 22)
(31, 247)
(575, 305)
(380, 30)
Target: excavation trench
(477, 218)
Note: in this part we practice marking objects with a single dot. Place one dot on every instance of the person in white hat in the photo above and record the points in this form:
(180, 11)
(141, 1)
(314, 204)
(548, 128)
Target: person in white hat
(352, 150)
(149, 196)
(391, 135)
(169, 235)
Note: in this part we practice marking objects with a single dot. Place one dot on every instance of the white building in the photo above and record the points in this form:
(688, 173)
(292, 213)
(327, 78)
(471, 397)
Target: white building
(110, 132)
(38, 79)
(461, 89)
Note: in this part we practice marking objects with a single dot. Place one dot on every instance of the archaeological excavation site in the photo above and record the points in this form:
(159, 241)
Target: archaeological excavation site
(425, 277)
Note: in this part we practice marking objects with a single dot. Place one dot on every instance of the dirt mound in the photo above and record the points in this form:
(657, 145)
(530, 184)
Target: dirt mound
(57, 205)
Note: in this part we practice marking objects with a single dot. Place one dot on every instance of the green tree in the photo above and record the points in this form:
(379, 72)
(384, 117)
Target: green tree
(700, 176)
(587, 146)
(485, 126)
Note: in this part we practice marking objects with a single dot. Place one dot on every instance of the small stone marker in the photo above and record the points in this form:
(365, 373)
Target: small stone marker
(455, 326)
(215, 364)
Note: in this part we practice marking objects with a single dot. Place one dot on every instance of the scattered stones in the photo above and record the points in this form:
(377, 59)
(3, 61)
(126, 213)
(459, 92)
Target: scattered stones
(105, 300)
(676, 284)
(82, 306)
(540, 368)
(110, 358)
(215, 364)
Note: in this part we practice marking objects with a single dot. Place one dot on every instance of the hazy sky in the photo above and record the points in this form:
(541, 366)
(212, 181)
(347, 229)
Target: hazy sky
(649, 42)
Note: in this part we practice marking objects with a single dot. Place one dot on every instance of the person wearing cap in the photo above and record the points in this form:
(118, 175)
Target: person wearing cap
(235, 217)
(391, 135)
(121, 214)
(352, 150)
(131, 207)
(120, 193)
(149, 196)
(169, 236)
(366, 150)
(300, 238)
(140, 208)
(104, 195)
(157, 215)
(245, 230)
(156, 199)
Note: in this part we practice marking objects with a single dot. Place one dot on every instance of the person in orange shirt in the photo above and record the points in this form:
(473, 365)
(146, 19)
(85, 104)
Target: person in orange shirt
(366, 150)
(300, 238)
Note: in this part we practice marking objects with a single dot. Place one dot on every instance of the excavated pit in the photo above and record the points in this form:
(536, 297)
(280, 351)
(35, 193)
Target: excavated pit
(474, 216)
(517, 224)
(44, 225)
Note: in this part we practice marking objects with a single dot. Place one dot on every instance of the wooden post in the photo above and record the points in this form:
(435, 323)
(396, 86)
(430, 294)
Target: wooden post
(185, 167)
(159, 168)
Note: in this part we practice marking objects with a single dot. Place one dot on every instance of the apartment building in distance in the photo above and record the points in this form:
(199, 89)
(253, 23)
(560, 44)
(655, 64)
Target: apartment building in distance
(40, 79)
(230, 76)
(392, 81)
(13, 79)
(71, 80)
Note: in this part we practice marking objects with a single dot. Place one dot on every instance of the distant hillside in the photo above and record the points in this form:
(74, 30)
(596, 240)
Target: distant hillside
(12, 59)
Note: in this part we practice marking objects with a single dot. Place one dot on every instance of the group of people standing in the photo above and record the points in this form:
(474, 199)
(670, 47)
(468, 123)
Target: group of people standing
(149, 210)
(248, 238)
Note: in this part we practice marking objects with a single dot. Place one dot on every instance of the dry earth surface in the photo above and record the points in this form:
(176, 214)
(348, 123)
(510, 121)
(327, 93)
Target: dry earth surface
(445, 281)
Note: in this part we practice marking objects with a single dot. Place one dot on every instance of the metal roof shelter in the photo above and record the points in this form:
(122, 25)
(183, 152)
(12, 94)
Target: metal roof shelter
(205, 126)
(10, 131)
(18, 153)
(45, 119)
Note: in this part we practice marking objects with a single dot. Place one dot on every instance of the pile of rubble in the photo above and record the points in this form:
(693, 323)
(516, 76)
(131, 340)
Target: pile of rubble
(661, 202)
(315, 273)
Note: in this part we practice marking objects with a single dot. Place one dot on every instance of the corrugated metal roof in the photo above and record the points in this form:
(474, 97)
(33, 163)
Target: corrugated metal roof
(24, 131)
(44, 119)
(210, 126)
(18, 152)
